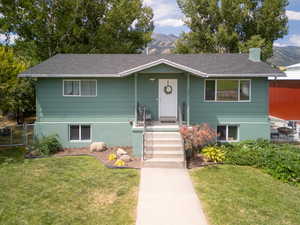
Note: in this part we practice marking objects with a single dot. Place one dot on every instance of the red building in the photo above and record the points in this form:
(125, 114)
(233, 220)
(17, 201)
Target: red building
(284, 95)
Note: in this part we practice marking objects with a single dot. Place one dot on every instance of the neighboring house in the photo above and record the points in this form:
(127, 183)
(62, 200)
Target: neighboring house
(285, 93)
(99, 97)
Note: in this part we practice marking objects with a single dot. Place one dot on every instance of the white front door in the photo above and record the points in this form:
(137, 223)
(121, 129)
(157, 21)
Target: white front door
(168, 98)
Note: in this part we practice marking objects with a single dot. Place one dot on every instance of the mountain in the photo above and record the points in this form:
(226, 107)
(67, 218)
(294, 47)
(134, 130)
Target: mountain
(162, 43)
(283, 56)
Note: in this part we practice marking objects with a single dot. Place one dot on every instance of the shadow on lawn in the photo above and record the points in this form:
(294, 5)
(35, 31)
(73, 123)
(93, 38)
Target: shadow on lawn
(12, 155)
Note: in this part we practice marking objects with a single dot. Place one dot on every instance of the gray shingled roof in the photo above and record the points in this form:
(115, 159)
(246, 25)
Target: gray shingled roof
(114, 64)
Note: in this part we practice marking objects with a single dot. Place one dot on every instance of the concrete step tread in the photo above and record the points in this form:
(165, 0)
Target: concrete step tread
(156, 152)
(164, 132)
(170, 165)
(163, 149)
(163, 139)
(164, 145)
(164, 160)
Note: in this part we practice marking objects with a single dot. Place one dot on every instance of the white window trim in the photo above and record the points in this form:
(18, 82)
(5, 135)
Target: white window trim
(63, 87)
(239, 90)
(90, 140)
(229, 125)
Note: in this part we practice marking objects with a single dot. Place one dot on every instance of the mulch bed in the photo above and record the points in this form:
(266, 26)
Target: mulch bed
(103, 156)
(199, 161)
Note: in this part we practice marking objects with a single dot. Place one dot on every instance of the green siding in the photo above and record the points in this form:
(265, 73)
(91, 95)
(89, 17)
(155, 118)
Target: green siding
(148, 90)
(162, 68)
(252, 116)
(118, 134)
(114, 101)
(137, 142)
(110, 112)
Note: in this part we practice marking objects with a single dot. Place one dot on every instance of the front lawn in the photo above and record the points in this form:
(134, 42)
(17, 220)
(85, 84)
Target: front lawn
(234, 195)
(69, 190)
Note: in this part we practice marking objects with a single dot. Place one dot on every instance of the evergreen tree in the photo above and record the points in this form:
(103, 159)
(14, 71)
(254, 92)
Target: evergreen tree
(232, 26)
(49, 27)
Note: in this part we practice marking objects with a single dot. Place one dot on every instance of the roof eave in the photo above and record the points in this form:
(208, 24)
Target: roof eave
(248, 75)
(67, 75)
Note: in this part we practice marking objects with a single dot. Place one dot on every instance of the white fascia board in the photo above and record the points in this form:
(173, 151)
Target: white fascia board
(248, 75)
(68, 75)
(162, 61)
(289, 75)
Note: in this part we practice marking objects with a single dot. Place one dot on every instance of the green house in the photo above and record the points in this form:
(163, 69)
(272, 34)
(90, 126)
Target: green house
(116, 98)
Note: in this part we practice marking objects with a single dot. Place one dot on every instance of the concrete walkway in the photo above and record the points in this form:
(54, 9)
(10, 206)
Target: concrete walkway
(167, 197)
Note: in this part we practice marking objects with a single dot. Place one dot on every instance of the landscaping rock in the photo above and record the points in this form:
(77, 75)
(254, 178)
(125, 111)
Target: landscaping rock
(125, 158)
(97, 147)
(121, 152)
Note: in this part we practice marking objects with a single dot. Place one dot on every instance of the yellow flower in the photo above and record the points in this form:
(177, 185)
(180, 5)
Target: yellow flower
(119, 163)
(112, 157)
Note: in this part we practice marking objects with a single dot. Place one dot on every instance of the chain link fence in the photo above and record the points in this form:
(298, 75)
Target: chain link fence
(17, 135)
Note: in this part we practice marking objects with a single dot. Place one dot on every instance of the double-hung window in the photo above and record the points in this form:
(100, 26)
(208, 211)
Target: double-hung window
(84, 88)
(80, 132)
(227, 133)
(229, 90)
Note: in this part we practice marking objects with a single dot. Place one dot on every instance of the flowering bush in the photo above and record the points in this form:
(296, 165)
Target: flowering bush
(197, 137)
(214, 154)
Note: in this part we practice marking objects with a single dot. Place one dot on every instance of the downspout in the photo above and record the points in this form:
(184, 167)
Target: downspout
(135, 98)
(188, 85)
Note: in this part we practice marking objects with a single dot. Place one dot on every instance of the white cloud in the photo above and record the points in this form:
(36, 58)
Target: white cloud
(148, 2)
(164, 10)
(169, 22)
(277, 44)
(166, 13)
(295, 40)
(293, 15)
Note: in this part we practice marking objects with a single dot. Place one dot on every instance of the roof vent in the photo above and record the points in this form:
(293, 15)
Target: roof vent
(255, 54)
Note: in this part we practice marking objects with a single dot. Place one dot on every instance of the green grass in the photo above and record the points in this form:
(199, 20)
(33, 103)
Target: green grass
(62, 191)
(234, 195)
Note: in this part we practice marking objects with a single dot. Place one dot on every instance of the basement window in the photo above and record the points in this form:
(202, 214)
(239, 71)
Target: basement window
(80, 132)
(227, 133)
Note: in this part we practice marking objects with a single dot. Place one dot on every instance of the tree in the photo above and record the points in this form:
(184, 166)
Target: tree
(16, 95)
(77, 26)
(232, 26)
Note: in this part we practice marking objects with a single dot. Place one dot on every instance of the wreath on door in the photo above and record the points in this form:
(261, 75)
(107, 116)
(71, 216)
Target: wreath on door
(168, 89)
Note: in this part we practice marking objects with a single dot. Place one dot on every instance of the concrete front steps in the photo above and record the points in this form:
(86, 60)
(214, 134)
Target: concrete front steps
(163, 150)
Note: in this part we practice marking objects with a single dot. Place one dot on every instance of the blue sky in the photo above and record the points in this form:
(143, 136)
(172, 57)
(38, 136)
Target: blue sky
(168, 20)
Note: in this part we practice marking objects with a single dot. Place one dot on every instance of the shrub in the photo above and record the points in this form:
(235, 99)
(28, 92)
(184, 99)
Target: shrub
(214, 154)
(198, 136)
(46, 146)
(280, 160)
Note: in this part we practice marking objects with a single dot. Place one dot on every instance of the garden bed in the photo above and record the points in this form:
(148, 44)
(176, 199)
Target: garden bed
(199, 161)
(102, 156)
